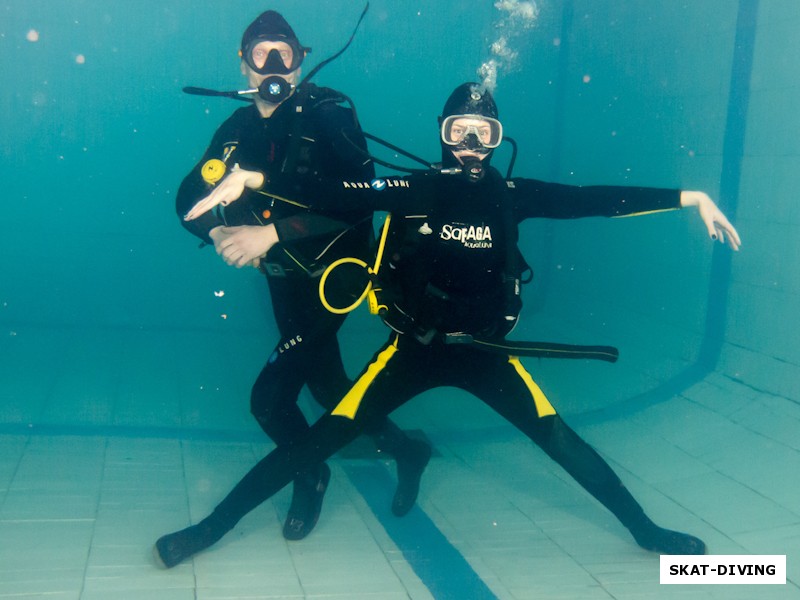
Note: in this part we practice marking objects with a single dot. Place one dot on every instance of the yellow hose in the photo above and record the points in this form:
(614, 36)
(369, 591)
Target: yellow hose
(360, 263)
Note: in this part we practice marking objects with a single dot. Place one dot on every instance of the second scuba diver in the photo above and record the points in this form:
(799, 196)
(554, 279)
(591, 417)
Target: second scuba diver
(450, 281)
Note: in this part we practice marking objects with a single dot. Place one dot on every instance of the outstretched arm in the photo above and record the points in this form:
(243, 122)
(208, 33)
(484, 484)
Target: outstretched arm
(558, 201)
(716, 223)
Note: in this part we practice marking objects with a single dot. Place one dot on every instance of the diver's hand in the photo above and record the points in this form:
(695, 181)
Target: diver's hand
(229, 190)
(716, 223)
(244, 245)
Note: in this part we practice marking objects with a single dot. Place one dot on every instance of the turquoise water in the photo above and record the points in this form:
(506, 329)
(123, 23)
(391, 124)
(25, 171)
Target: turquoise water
(118, 356)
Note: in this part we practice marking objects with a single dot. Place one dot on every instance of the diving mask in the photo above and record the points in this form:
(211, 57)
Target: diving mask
(273, 55)
(472, 132)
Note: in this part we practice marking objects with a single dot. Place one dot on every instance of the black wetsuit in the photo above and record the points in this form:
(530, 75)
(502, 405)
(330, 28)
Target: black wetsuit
(308, 351)
(444, 265)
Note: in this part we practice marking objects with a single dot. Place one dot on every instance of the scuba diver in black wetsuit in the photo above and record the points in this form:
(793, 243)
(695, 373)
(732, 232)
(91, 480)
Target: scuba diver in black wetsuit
(293, 130)
(448, 286)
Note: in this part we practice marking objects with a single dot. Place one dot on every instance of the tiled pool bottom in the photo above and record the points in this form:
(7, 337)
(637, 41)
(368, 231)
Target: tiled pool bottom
(84, 497)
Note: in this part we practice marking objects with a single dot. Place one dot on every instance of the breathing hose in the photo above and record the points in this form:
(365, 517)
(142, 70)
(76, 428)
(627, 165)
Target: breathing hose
(369, 291)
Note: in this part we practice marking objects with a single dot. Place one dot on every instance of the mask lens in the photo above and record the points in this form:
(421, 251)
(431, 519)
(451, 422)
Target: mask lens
(460, 129)
(269, 56)
(275, 58)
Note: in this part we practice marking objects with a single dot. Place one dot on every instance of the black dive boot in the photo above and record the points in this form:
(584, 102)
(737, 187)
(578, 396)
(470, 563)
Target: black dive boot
(411, 461)
(309, 490)
(646, 533)
(664, 541)
(174, 548)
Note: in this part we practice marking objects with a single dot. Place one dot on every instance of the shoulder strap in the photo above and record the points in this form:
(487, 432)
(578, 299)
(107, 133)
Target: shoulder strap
(515, 266)
(302, 134)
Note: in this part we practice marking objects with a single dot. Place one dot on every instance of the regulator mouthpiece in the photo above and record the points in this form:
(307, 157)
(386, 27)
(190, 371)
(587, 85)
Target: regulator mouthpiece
(473, 169)
(275, 89)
